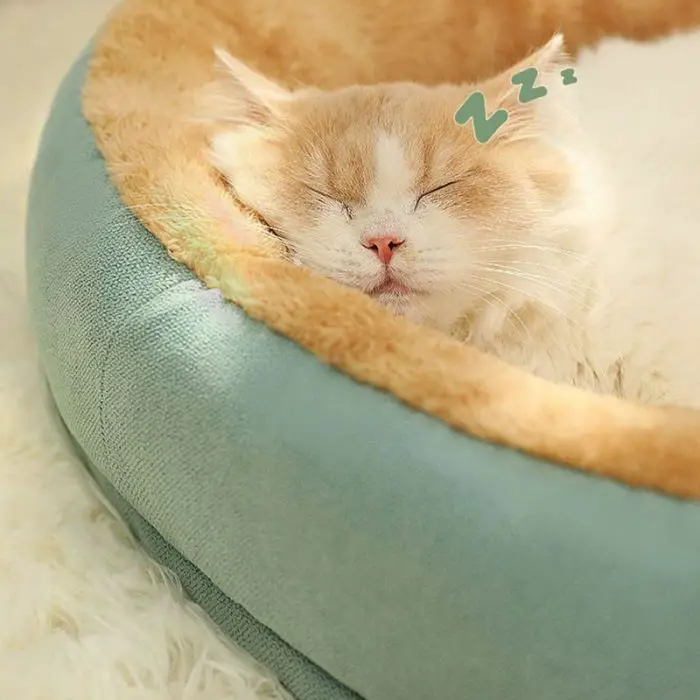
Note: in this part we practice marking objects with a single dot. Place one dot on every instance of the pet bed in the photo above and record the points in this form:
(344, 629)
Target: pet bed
(371, 509)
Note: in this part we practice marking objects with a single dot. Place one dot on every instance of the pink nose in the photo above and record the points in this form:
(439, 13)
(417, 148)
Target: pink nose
(383, 247)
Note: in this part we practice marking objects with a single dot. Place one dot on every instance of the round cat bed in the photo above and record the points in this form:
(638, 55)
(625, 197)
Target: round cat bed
(356, 546)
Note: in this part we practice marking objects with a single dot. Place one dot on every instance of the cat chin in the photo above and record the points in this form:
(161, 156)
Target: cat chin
(403, 305)
(398, 303)
(418, 309)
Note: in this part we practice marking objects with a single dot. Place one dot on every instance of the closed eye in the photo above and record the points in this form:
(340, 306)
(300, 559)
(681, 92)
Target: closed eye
(433, 191)
(343, 206)
(253, 212)
(322, 194)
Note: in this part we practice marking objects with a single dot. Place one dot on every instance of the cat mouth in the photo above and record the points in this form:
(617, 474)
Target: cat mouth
(392, 287)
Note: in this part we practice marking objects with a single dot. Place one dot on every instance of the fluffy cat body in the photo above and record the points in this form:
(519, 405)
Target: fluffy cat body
(639, 110)
(564, 245)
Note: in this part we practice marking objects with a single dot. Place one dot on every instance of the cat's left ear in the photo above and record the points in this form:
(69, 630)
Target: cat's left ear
(242, 96)
(534, 92)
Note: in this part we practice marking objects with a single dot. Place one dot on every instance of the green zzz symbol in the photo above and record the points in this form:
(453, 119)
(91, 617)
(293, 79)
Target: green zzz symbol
(568, 77)
(528, 92)
(474, 109)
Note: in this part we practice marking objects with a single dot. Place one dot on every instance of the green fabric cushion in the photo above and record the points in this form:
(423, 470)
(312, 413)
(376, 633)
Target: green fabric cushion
(350, 543)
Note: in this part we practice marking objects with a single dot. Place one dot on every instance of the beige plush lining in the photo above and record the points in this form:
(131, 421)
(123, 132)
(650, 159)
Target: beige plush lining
(149, 63)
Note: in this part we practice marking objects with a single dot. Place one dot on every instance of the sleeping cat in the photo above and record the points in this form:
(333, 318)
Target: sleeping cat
(567, 244)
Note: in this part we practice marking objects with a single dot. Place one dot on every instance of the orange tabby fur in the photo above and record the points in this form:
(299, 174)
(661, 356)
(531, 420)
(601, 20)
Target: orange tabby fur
(147, 70)
(327, 169)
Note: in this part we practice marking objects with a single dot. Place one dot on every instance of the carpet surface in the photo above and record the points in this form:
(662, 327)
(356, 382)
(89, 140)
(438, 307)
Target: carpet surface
(78, 600)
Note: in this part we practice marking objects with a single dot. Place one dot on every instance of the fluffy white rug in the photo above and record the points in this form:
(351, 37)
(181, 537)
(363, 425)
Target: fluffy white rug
(84, 615)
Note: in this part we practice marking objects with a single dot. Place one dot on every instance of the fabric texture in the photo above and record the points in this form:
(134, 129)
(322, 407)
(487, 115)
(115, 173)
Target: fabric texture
(354, 545)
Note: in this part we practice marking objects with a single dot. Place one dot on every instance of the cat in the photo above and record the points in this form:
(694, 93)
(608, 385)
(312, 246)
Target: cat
(564, 245)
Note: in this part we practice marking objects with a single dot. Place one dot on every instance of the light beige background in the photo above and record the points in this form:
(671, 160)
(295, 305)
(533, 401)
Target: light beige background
(38, 41)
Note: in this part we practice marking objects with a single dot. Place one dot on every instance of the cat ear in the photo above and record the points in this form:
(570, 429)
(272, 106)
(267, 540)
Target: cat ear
(534, 92)
(243, 96)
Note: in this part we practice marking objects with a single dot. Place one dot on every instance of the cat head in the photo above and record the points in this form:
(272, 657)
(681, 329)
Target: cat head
(378, 187)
